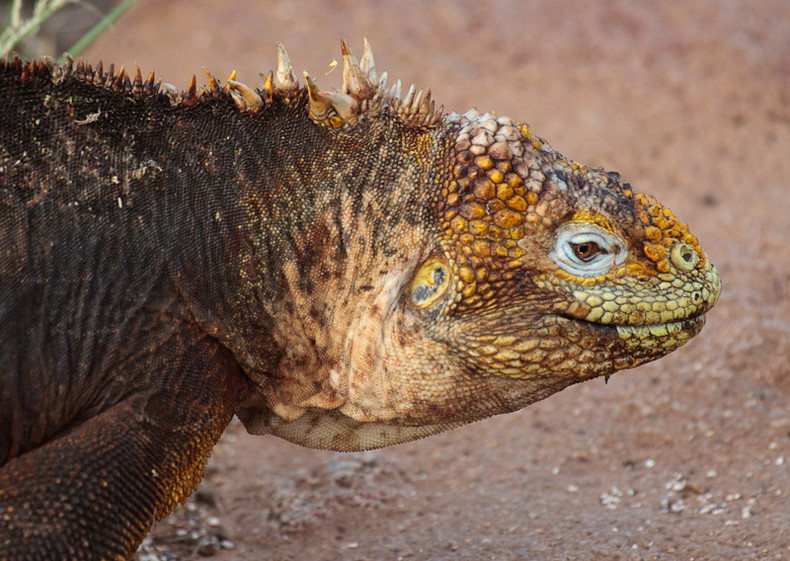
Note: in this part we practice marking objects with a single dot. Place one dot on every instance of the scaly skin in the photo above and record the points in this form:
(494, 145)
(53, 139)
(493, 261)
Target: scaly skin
(346, 270)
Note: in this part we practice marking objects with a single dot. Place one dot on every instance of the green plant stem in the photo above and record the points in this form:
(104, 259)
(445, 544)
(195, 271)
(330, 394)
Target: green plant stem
(20, 29)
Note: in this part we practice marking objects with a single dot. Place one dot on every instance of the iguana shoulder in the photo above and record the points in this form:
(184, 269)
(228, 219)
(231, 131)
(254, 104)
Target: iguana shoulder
(344, 269)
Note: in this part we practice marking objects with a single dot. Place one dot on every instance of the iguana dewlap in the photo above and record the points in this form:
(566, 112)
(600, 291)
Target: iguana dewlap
(344, 269)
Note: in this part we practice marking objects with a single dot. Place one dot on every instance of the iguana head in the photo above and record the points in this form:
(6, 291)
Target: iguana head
(511, 275)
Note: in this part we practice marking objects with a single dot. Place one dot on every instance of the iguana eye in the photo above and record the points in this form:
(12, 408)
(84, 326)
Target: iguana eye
(587, 250)
(430, 282)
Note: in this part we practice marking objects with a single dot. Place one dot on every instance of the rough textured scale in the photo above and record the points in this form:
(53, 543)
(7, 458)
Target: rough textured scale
(345, 269)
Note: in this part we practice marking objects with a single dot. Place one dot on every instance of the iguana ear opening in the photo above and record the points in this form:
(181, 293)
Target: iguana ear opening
(430, 282)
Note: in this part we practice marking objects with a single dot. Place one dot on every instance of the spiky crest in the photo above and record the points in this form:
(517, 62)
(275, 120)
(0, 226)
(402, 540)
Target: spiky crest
(284, 78)
(367, 63)
(362, 94)
(245, 98)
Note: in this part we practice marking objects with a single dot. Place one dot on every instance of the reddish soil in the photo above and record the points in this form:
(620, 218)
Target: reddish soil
(686, 458)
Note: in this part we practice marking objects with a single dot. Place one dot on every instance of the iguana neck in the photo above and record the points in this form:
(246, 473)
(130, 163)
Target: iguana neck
(284, 240)
(317, 230)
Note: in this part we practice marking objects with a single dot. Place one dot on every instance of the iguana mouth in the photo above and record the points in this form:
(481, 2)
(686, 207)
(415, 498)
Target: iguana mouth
(687, 327)
(631, 345)
(691, 325)
(660, 336)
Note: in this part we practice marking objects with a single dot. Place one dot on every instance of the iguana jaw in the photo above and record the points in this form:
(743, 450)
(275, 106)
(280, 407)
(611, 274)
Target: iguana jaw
(659, 339)
(643, 343)
(674, 330)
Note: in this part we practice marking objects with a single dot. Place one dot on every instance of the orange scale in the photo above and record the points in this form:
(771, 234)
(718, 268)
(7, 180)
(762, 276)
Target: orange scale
(484, 189)
(504, 191)
(655, 252)
(478, 227)
(507, 219)
(517, 203)
(481, 248)
(495, 175)
(458, 224)
(484, 162)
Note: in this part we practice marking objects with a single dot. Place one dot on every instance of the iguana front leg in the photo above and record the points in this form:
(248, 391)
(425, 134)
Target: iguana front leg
(94, 491)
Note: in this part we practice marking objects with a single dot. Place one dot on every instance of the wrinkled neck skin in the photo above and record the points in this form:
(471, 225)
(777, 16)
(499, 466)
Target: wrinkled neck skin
(333, 242)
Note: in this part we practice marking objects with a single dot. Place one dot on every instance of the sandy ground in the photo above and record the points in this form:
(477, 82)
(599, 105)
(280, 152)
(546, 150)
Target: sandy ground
(686, 458)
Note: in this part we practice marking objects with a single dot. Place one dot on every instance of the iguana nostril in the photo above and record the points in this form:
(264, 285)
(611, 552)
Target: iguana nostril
(684, 257)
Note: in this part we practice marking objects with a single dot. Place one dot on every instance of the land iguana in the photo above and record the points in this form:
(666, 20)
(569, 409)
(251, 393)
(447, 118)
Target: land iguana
(345, 269)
